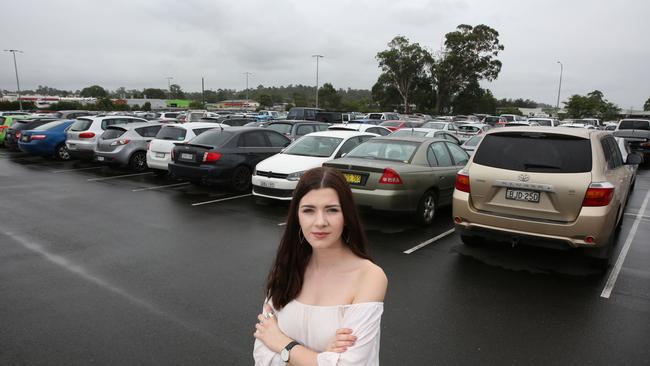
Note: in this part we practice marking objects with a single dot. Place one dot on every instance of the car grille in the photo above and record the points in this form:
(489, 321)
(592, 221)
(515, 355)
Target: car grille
(273, 191)
(272, 175)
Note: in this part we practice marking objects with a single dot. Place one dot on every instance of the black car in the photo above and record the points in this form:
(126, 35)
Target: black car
(225, 156)
(13, 133)
(296, 129)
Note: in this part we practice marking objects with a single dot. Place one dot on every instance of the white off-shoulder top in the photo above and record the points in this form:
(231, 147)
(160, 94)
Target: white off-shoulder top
(315, 326)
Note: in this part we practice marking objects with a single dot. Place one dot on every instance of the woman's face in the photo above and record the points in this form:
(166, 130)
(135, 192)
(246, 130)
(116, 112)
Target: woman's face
(321, 218)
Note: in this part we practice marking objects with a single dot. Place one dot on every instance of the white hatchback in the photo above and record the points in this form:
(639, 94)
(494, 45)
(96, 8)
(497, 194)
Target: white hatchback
(277, 176)
(160, 148)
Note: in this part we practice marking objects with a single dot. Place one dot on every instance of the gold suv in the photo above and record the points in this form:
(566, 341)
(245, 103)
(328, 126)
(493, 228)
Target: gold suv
(545, 186)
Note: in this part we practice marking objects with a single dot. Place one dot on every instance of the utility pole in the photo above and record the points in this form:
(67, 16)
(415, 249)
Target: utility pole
(20, 103)
(317, 57)
(169, 87)
(557, 105)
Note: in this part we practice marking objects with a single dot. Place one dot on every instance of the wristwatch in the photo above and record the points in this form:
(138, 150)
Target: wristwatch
(284, 354)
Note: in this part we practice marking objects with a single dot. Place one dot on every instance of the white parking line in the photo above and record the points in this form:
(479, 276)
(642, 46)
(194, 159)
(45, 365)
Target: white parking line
(118, 176)
(220, 200)
(74, 170)
(607, 291)
(169, 185)
(423, 244)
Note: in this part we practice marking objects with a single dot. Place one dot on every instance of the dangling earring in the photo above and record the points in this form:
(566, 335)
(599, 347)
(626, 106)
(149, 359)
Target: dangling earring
(301, 238)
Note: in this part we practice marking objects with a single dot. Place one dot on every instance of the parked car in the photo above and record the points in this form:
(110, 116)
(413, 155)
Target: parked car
(85, 131)
(160, 148)
(396, 125)
(471, 144)
(469, 130)
(126, 145)
(554, 187)
(5, 124)
(13, 133)
(225, 156)
(384, 116)
(442, 126)
(361, 127)
(277, 176)
(403, 174)
(46, 140)
(296, 129)
(426, 132)
(300, 113)
(637, 133)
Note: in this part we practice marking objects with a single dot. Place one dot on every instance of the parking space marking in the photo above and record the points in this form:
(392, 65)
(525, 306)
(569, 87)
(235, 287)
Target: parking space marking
(74, 170)
(220, 200)
(118, 176)
(158, 187)
(607, 291)
(423, 244)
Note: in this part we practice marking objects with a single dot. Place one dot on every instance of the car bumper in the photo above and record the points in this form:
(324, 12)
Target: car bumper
(384, 200)
(597, 222)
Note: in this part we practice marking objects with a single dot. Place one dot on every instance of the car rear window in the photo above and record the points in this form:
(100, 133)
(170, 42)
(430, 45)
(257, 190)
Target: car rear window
(171, 133)
(634, 125)
(215, 137)
(81, 124)
(535, 152)
(112, 133)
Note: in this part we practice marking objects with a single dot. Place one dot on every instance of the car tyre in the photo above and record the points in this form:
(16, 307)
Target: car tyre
(138, 161)
(426, 208)
(241, 179)
(62, 153)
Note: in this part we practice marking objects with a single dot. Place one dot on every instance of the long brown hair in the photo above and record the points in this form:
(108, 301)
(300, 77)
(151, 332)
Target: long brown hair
(288, 271)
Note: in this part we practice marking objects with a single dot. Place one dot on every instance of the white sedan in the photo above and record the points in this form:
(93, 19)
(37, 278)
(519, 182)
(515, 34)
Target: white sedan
(277, 176)
(160, 148)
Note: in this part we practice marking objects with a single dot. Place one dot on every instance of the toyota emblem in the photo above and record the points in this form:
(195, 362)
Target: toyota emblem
(524, 177)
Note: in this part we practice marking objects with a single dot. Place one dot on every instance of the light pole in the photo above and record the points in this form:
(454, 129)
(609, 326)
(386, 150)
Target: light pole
(317, 57)
(557, 105)
(247, 73)
(20, 103)
(169, 87)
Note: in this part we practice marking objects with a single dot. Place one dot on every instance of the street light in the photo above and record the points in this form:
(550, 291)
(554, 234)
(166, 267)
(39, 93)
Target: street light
(557, 106)
(317, 57)
(169, 87)
(20, 103)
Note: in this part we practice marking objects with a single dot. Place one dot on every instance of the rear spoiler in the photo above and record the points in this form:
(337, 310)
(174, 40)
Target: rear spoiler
(633, 134)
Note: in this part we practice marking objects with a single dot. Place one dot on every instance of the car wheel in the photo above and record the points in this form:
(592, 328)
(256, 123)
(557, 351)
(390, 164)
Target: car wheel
(138, 161)
(427, 208)
(241, 179)
(62, 152)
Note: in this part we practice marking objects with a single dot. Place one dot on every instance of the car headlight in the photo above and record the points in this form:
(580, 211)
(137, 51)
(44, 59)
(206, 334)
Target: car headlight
(295, 176)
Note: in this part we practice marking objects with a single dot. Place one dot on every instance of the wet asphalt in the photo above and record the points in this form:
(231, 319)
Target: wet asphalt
(122, 271)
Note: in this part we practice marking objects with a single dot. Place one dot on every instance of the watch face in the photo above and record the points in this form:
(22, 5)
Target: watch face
(284, 355)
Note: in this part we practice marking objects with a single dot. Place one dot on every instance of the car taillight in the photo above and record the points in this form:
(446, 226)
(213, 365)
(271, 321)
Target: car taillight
(38, 137)
(598, 194)
(462, 181)
(86, 135)
(209, 157)
(390, 177)
(120, 142)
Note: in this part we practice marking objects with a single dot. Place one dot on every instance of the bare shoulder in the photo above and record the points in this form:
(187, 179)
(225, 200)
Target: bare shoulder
(372, 283)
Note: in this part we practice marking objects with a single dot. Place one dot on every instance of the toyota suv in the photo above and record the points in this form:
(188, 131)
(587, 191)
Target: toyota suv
(544, 186)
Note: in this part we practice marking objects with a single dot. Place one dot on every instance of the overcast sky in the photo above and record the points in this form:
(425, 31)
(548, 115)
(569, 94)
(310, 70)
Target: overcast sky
(603, 44)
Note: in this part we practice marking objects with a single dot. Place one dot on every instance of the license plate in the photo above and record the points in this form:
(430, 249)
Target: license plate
(160, 155)
(187, 156)
(352, 178)
(522, 195)
(267, 184)
(100, 158)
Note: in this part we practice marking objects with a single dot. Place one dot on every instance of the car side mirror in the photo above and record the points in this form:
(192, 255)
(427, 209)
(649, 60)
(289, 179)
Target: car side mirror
(634, 159)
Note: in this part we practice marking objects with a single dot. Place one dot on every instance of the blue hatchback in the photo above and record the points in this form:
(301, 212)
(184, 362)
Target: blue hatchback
(47, 140)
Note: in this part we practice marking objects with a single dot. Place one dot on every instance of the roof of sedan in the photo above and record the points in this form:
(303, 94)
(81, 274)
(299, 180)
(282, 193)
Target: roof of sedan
(578, 132)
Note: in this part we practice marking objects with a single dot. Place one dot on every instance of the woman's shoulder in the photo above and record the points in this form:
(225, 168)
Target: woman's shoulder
(372, 283)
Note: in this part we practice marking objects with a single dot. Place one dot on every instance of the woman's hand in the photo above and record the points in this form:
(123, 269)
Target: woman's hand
(268, 331)
(341, 341)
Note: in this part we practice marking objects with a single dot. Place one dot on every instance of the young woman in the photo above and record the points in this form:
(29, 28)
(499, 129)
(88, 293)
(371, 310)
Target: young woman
(324, 294)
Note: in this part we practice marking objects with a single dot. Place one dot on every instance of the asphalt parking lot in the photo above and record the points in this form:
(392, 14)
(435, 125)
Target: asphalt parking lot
(109, 267)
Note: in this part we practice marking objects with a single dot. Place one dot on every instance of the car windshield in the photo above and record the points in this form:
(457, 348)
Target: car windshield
(212, 138)
(81, 124)
(408, 132)
(434, 125)
(385, 150)
(171, 133)
(535, 152)
(317, 146)
(50, 125)
(280, 127)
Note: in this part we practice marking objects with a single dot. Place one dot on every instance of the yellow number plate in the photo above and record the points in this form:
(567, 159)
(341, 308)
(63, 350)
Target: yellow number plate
(352, 178)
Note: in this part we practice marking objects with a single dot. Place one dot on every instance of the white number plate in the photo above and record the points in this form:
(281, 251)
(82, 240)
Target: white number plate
(522, 195)
(100, 158)
(160, 155)
(187, 156)
(267, 184)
